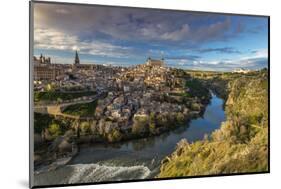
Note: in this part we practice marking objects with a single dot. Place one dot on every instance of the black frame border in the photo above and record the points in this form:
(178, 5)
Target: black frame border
(31, 43)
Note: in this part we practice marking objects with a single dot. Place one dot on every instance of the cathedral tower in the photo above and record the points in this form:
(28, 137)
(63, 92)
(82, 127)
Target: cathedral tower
(76, 61)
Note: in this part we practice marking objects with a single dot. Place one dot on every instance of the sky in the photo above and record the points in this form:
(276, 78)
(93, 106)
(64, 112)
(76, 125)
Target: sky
(128, 36)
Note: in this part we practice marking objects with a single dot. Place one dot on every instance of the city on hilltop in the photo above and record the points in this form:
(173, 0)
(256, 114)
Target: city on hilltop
(122, 95)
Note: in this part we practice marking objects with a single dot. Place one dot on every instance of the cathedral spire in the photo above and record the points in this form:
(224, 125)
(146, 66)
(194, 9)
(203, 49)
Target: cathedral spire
(77, 60)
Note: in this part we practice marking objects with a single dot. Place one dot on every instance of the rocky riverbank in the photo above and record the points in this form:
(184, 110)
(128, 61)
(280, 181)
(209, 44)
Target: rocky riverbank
(54, 154)
(240, 145)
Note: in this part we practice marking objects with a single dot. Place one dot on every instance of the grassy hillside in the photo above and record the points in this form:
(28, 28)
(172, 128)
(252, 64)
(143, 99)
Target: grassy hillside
(240, 145)
(85, 109)
(56, 96)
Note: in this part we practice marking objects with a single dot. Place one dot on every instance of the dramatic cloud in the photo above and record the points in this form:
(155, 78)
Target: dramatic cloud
(177, 34)
(127, 36)
(259, 53)
(253, 64)
(120, 23)
(257, 61)
(228, 50)
(215, 31)
(51, 39)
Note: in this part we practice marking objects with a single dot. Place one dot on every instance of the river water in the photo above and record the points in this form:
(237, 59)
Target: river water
(137, 159)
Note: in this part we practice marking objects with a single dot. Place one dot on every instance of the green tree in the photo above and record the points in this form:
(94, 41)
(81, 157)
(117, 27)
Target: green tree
(180, 118)
(140, 125)
(85, 127)
(152, 125)
(114, 136)
(54, 130)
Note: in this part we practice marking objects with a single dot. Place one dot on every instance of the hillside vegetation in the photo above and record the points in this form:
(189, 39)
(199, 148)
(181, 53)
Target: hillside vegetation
(59, 96)
(241, 144)
(85, 109)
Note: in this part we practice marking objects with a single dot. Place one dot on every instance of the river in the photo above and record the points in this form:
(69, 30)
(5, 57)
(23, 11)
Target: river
(137, 159)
